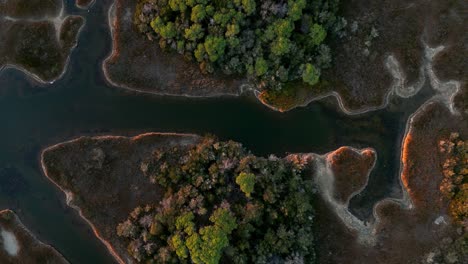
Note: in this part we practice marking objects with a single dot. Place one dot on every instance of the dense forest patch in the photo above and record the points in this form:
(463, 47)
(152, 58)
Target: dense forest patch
(272, 42)
(223, 205)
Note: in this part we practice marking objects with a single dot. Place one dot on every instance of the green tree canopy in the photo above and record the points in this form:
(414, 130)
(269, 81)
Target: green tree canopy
(269, 41)
(246, 182)
(198, 13)
(317, 34)
(214, 47)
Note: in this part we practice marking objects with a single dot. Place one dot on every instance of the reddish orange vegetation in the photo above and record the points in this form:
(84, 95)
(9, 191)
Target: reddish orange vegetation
(406, 163)
(277, 102)
(421, 228)
(402, 235)
(351, 170)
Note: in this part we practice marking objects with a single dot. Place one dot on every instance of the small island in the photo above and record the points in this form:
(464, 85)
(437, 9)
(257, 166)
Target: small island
(18, 245)
(37, 37)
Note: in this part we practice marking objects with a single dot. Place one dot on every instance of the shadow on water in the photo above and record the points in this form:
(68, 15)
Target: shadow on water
(82, 103)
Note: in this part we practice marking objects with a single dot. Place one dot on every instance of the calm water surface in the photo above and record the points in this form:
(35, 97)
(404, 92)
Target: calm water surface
(83, 103)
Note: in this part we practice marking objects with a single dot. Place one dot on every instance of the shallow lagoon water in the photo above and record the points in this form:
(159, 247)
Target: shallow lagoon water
(34, 116)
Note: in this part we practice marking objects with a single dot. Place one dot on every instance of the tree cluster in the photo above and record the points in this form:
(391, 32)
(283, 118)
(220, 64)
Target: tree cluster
(270, 41)
(223, 205)
(455, 183)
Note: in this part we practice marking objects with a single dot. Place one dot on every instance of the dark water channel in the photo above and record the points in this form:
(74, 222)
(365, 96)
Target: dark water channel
(34, 116)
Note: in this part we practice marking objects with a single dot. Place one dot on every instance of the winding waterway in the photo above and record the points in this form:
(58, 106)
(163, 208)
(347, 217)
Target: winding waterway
(33, 116)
